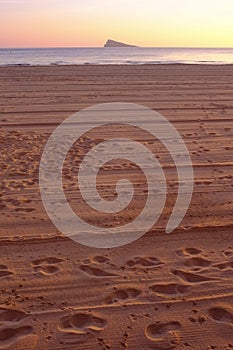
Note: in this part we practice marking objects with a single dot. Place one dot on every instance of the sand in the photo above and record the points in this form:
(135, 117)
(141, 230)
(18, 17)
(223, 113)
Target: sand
(160, 292)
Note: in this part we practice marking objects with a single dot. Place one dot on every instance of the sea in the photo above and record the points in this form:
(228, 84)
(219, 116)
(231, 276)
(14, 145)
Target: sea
(126, 55)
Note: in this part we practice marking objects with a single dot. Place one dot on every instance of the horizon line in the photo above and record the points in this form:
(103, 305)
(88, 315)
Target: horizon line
(123, 47)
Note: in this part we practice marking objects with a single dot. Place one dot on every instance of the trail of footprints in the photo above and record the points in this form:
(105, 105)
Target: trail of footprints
(199, 269)
(90, 265)
(193, 268)
(78, 328)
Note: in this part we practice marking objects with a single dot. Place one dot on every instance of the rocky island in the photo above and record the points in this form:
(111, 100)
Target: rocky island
(113, 43)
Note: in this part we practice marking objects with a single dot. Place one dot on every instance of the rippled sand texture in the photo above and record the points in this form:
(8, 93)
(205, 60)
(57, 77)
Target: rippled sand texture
(160, 292)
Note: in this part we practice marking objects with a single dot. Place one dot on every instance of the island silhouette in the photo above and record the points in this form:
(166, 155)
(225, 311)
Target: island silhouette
(113, 43)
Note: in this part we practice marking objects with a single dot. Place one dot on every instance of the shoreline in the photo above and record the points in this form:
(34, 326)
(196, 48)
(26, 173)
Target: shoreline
(117, 64)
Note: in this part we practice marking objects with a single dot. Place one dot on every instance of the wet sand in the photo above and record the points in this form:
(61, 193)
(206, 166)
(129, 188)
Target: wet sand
(160, 292)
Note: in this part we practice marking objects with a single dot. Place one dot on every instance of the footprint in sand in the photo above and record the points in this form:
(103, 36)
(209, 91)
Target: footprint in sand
(228, 253)
(4, 272)
(80, 326)
(119, 295)
(192, 277)
(12, 335)
(11, 329)
(169, 289)
(228, 265)
(222, 314)
(144, 262)
(46, 270)
(164, 336)
(24, 210)
(189, 251)
(11, 316)
(96, 272)
(99, 259)
(197, 263)
(81, 323)
(47, 266)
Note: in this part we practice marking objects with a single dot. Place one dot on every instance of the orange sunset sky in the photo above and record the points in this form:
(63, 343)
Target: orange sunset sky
(62, 23)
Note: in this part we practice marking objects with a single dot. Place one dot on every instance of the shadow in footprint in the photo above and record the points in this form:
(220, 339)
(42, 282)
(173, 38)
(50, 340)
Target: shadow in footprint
(192, 277)
(222, 314)
(144, 262)
(189, 251)
(169, 289)
(11, 315)
(228, 265)
(10, 329)
(100, 259)
(96, 272)
(197, 262)
(122, 295)
(11, 335)
(4, 272)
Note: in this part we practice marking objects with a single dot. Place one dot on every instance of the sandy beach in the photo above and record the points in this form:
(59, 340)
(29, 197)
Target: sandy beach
(160, 292)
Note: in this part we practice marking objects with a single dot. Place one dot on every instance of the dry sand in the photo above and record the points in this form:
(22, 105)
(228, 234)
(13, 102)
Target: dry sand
(160, 292)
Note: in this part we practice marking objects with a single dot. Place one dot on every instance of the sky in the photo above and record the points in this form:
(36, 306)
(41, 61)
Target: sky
(89, 23)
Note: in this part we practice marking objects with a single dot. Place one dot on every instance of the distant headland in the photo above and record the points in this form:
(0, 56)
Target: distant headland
(113, 43)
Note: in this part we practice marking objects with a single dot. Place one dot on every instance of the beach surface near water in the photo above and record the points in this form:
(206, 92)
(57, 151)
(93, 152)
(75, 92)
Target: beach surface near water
(163, 291)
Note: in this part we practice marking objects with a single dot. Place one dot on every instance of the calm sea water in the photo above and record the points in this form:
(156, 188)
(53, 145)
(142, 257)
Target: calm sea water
(62, 56)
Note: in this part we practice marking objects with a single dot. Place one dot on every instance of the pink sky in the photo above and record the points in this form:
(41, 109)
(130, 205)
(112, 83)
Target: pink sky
(45, 23)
